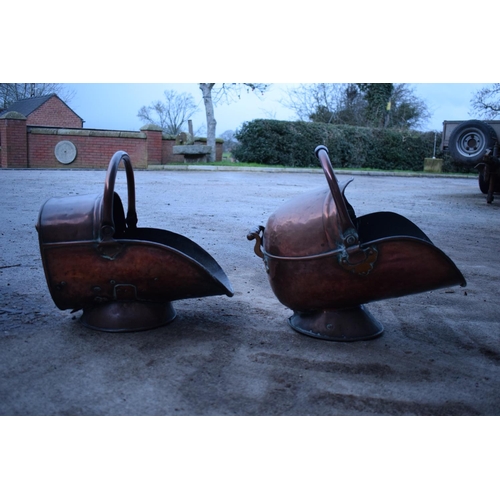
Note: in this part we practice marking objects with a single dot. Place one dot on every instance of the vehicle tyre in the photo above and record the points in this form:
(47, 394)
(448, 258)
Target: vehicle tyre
(483, 183)
(469, 142)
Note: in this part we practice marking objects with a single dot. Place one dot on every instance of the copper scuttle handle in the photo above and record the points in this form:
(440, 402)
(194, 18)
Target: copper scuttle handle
(257, 234)
(349, 232)
(107, 222)
(353, 258)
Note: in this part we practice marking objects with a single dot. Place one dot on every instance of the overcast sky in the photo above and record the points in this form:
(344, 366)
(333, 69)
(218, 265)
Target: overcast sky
(361, 41)
(115, 105)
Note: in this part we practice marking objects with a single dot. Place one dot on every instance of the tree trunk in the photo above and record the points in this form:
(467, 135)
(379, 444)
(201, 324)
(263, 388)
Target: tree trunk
(206, 89)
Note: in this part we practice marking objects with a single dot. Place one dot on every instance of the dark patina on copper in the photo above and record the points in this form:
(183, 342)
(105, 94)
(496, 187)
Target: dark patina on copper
(122, 276)
(325, 263)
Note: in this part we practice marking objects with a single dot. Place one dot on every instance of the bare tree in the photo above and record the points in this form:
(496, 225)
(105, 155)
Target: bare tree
(230, 141)
(13, 92)
(226, 92)
(407, 109)
(357, 104)
(306, 100)
(170, 115)
(486, 102)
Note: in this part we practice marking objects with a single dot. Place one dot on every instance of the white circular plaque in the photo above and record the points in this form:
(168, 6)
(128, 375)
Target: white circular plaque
(65, 152)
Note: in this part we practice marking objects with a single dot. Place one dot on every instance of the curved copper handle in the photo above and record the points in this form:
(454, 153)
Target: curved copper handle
(107, 222)
(257, 235)
(348, 229)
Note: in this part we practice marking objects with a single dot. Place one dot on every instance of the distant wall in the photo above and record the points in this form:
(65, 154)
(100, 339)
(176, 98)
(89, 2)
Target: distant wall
(13, 143)
(24, 146)
(94, 148)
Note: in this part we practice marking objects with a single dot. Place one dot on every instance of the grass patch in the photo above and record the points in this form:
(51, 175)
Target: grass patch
(345, 170)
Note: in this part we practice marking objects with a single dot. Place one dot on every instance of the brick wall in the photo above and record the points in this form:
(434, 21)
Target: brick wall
(153, 145)
(94, 148)
(54, 113)
(13, 142)
(24, 146)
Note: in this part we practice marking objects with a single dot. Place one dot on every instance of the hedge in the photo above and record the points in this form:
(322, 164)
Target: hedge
(292, 144)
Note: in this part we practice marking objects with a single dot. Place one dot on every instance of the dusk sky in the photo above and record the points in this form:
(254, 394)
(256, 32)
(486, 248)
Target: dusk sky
(121, 57)
(115, 105)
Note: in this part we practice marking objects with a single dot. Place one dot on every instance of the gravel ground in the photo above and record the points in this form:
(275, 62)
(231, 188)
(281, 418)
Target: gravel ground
(439, 354)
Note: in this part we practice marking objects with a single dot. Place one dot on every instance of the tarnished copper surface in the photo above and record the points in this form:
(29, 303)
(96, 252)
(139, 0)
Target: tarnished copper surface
(122, 276)
(321, 258)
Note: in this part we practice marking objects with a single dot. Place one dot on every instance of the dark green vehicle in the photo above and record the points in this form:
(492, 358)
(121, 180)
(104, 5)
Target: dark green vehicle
(476, 143)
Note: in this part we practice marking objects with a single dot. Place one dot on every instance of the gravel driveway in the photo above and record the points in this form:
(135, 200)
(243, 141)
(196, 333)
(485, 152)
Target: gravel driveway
(439, 354)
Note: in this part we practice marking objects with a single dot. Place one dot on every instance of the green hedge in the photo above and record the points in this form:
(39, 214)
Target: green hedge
(274, 142)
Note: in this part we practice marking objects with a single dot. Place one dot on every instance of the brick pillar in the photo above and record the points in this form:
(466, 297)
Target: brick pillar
(153, 144)
(13, 140)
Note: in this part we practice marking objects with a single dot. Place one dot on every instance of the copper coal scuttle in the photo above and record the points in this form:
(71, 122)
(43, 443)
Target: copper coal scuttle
(325, 263)
(122, 276)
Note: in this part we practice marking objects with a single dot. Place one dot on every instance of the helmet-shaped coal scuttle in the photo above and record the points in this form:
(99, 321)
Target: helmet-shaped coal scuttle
(324, 263)
(123, 277)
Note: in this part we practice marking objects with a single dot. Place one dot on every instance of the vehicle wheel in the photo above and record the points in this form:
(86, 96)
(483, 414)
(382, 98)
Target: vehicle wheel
(483, 184)
(469, 142)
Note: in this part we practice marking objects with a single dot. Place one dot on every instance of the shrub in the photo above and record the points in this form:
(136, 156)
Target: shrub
(274, 142)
